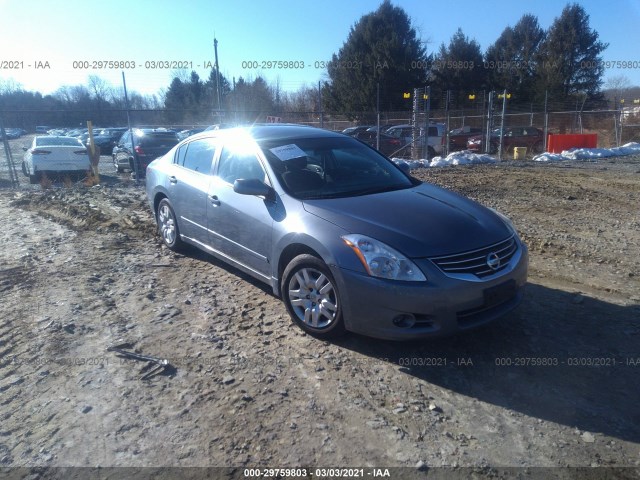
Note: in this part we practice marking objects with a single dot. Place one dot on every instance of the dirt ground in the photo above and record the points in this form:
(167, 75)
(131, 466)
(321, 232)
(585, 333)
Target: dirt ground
(555, 384)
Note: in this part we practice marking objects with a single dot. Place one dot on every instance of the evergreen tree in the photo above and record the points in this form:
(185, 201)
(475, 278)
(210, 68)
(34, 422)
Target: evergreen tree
(458, 67)
(382, 48)
(511, 60)
(569, 61)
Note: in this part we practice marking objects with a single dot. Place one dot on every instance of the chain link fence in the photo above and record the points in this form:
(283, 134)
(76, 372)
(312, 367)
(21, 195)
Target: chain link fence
(613, 128)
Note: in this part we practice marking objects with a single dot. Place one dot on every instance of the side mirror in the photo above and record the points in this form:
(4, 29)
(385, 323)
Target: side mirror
(252, 186)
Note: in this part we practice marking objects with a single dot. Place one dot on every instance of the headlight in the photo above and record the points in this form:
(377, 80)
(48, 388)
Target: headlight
(380, 260)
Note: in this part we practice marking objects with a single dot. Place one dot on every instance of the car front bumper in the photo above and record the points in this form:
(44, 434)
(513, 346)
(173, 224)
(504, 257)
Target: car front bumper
(397, 310)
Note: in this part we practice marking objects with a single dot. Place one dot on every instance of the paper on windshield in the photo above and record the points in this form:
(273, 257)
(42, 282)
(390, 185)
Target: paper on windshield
(288, 152)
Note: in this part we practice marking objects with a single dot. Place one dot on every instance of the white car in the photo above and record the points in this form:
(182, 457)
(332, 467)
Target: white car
(436, 136)
(55, 156)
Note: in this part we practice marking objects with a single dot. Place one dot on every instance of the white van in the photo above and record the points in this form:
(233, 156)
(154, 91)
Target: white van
(436, 136)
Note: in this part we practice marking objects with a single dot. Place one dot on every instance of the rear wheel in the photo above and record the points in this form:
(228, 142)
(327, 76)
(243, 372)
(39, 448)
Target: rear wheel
(537, 147)
(168, 226)
(311, 297)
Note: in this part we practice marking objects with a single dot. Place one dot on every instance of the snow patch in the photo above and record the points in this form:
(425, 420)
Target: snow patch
(632, 148)
(456, 158)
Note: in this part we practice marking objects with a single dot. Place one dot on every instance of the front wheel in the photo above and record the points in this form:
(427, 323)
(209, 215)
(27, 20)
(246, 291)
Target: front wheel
(168, 226)
(311, 296)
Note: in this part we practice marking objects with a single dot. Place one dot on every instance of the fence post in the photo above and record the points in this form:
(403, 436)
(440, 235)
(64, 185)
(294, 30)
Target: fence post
(13, 175)
(487, 142)
(504, 111)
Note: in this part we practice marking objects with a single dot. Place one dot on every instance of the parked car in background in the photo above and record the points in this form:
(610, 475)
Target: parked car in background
(345, 237)
(188, 132)
(218, 126)
(530, 137)
(42, 129)
(388, 145)
(75, 132)
(458, 137)
(12, 133)
(383, 128)
(351, 131)
(107, 138)
(146, 145)
(55, 156)
(436, 136)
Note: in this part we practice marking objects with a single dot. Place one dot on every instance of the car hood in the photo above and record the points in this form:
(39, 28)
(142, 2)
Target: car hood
(422, 221)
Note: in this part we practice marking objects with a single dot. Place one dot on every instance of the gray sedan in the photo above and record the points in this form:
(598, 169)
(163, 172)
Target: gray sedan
(347, 239)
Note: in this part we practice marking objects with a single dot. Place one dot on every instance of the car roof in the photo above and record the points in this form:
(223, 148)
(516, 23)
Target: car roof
(272, 132)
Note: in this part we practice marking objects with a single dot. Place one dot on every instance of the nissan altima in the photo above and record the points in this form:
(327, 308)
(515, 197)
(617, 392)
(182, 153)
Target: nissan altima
(347, 239)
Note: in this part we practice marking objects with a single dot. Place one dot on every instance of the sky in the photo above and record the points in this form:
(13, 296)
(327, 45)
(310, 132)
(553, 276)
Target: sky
(51, 43)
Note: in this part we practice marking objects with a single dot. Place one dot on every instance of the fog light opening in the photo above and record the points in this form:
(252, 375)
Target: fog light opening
(405, 320)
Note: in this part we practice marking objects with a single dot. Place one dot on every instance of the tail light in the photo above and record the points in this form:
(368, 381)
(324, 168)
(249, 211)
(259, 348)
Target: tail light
(37, 151)
(139, 150)
(394, 141)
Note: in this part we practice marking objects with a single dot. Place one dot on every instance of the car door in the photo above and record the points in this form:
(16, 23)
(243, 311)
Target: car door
(240, 226)
(188, 185)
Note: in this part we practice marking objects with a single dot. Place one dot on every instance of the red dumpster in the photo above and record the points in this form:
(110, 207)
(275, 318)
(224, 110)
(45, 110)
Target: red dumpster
(558, 143)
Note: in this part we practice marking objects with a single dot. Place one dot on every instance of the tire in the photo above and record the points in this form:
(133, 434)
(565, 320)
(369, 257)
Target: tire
(33, 179)
(168, 226)
(430, 153)
(311, 297)
(117, 166)
(24, 169)
(537, 147)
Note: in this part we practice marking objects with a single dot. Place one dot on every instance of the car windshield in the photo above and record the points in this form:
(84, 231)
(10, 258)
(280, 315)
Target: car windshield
(330, 167)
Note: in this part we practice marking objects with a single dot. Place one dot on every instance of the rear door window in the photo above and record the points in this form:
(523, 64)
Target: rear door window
(199, 155)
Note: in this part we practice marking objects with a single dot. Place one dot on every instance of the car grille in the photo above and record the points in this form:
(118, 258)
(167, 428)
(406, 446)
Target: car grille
(475, 262)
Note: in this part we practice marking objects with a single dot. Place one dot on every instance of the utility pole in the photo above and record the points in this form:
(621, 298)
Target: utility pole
(546, 120)
(378, 116)
(427, 110)
(504, 111)
(136, 165)
(215, 49)
(320, 105)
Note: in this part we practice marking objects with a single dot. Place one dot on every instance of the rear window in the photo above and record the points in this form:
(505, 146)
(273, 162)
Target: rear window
(58, 141)
(155, 140)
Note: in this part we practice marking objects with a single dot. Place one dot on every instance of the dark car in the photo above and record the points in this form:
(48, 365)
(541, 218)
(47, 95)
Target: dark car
(12, 133)
(107, 138)
(345, 237)
(352, 131)
(530, 137)
(388, 144)
(147, 145)
(191, 131)
(458, 137)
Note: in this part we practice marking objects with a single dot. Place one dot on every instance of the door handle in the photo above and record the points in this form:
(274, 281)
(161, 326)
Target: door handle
(173, 179)
(214, 200)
